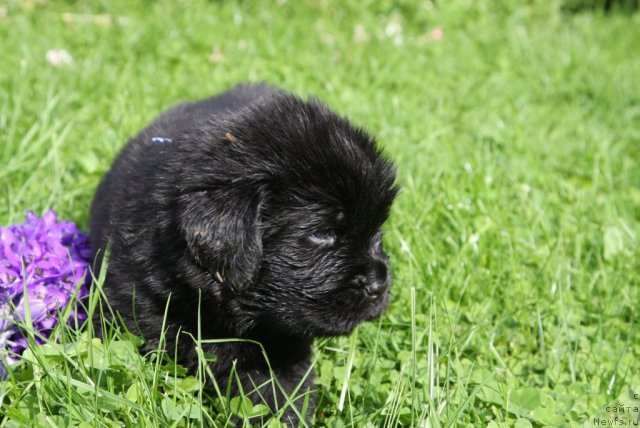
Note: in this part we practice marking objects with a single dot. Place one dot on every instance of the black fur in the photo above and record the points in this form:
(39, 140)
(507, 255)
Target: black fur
(269, 208)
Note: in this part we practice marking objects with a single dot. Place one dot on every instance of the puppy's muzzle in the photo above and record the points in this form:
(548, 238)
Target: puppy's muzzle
(375, 281)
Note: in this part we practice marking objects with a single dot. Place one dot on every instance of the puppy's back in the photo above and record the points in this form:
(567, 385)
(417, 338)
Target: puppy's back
(138, 159)
(183, 117)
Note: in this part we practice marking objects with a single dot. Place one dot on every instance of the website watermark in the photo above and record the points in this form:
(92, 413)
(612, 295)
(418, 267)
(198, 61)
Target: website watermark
(622, 412)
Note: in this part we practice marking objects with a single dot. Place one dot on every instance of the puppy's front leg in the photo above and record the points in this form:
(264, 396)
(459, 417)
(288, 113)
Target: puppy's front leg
(283, 381)
(291, 390)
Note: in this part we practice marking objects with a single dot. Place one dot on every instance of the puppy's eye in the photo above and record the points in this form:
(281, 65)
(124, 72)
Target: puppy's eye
(324, 237)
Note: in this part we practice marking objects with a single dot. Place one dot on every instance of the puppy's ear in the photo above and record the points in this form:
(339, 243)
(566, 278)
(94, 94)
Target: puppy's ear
(222, 231)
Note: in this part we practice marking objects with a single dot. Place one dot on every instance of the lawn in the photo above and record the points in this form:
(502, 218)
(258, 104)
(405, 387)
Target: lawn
(514, 243)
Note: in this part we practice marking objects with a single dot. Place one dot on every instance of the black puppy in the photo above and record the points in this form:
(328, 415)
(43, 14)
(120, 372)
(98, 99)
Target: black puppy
(263, 209)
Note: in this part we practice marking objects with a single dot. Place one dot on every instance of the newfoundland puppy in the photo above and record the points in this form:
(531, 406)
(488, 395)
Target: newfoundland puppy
(254, 215)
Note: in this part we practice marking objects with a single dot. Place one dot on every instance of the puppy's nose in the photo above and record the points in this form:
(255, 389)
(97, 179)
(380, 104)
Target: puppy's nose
(376, 282)
(376, 289)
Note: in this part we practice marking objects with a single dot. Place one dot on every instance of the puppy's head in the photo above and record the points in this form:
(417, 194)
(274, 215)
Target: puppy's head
(287, 209)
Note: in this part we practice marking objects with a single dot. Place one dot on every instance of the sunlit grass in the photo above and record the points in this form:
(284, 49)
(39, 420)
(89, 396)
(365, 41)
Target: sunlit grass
(514, 242)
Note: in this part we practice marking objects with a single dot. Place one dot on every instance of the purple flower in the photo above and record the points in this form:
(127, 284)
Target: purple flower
(50, 259)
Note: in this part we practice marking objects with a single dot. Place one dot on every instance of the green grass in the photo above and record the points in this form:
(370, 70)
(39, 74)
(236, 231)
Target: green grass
(514, 242)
